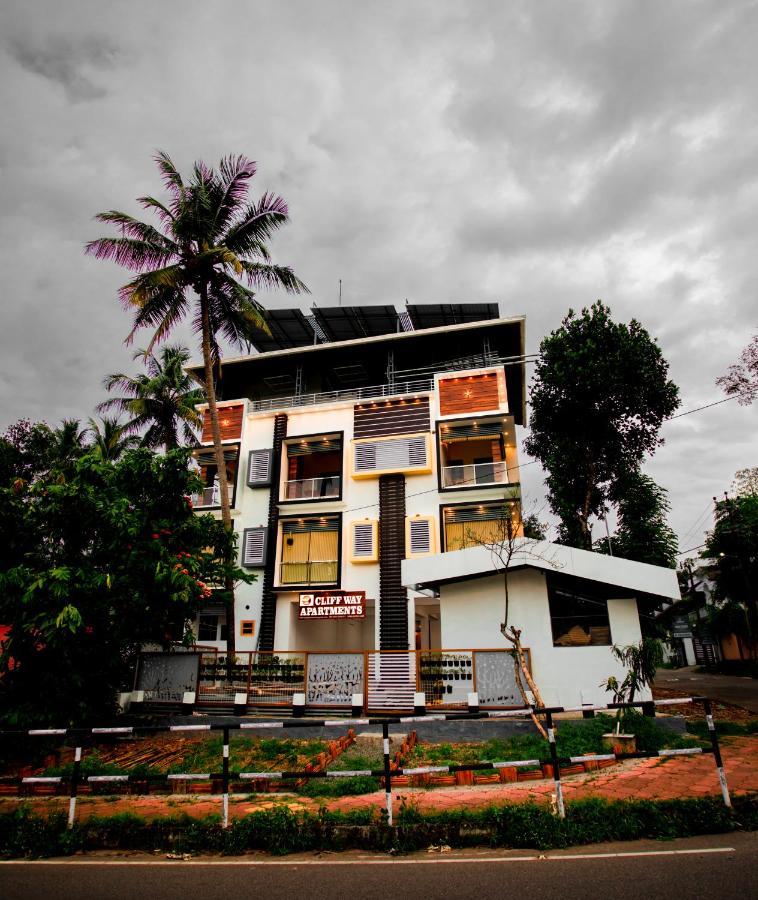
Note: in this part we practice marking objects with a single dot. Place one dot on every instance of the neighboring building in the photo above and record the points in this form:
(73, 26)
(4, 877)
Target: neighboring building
(357, 438)
(571, 605)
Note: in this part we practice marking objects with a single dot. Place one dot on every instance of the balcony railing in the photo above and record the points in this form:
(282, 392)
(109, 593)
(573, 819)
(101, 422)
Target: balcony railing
(323, 571)
(475, 474)
(321, 488)
(211, 496)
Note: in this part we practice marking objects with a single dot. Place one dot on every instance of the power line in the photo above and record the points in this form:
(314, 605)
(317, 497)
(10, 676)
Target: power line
(689, 412)
(682, 552)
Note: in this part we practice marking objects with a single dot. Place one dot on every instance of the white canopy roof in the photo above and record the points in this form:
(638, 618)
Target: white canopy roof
(476, 562)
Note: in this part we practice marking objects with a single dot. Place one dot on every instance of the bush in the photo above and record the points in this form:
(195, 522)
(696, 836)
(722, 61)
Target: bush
(281, 831)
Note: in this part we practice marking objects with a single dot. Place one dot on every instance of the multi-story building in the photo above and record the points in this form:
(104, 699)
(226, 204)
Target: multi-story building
(364, 449)
(355, 438)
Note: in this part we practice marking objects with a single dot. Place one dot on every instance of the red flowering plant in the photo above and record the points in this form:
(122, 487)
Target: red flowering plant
(97, 559)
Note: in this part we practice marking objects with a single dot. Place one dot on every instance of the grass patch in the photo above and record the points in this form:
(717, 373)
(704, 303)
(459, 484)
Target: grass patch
(571, 740)
(281, 831)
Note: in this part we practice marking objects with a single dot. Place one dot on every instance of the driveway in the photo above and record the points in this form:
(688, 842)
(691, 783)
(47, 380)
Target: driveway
(726, 688)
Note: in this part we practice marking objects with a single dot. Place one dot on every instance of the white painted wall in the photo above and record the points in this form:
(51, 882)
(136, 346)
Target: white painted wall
(471, 613)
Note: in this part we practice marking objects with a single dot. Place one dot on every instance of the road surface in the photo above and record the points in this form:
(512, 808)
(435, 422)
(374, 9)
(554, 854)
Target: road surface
(718, 866)
(727, 688)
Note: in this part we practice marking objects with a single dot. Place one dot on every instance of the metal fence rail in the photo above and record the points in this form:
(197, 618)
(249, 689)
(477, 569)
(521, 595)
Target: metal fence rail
(226, 776)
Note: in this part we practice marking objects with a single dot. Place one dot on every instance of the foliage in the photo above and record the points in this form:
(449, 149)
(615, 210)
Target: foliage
(96, 559)
(533, 528)
(281, 831)
(599, 397)
(109, 439)
(745, 482)
(741, 380)
(207, 236)
(642, 661)
(733, 543)
(643, 534)
(159, 403)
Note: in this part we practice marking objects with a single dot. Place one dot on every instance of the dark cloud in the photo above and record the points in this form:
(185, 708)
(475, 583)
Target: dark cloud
(540, 154)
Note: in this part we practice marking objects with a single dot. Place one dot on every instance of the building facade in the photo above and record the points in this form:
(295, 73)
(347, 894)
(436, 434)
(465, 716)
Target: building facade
(367, 451)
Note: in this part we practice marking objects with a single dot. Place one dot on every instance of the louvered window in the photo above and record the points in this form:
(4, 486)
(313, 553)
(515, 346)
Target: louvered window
(259, 468)
(254, 547)
(419, 535)
(406, 454)
(364, 541)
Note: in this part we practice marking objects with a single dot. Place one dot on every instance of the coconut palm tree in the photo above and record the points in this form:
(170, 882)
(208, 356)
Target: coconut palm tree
(207, 237)
(161, 403)
(109, 438)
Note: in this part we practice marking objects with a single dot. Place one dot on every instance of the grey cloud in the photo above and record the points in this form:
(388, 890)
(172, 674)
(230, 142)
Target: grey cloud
(73, 64)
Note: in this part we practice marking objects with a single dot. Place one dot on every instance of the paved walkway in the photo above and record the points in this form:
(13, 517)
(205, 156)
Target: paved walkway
(726, 688)
(647, 779)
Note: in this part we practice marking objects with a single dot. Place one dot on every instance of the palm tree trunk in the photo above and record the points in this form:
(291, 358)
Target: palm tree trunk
(218, 449)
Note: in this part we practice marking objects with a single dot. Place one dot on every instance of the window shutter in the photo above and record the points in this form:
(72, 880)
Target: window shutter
(254, 541)
(364, 542)
(259, 468)
(394, 454)
(420, 536)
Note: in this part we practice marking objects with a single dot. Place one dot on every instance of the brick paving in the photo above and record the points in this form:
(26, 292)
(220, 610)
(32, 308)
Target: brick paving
(646, 779)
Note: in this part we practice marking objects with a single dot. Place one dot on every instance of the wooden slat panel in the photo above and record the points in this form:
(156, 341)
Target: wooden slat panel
(393, 597)
(230, 422)
(388, 417)
(470, 393)
(268, 602)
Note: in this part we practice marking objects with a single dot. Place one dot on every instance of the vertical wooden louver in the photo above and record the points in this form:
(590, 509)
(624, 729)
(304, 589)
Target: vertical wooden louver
(268, 603)
(393, 597)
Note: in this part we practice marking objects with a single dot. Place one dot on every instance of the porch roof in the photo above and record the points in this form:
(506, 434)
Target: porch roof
(479, 562)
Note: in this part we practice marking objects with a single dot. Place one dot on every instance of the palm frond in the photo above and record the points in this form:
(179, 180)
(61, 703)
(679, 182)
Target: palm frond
(172, 180)
(259, 221)
(235, 172)
(163, 212)
(134, 228)
(136, 255)
(271, 276)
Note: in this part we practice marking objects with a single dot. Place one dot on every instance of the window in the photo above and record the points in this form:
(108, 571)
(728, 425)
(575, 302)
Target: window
(578, 620)
(247, 628)
(313, 468)
(478, 524)
(364, 541)
(211, 627)
(419, 536)
(205, 463)
(310, 550)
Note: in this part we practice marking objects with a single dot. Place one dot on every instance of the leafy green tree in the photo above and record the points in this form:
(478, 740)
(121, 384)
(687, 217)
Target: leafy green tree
(159, 403)
(108, 438)
(93, 564)
(643, 532)
(599, 397)
(533, 528)
(733, 543)
(208, 236)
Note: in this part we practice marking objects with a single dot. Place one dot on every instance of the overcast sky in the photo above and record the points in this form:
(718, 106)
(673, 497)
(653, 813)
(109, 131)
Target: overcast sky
(539, 154)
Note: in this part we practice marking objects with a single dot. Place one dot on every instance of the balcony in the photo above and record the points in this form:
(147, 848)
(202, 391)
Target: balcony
(486, 473)
(211, 496)
(311, 572)
(323, 487)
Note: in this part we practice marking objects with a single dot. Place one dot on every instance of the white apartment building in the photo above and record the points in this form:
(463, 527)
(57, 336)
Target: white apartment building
(360, 438)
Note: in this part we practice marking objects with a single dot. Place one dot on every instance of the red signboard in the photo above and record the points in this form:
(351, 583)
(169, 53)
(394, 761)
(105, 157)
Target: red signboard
(333, 605)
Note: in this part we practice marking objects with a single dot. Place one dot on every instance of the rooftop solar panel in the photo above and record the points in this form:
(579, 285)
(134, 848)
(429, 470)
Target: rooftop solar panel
(435, 315)
(289, 328)
(346, 323)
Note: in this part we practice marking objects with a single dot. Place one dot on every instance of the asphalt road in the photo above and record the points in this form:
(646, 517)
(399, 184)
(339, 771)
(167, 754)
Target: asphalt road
(719, 866)
(727, 688)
